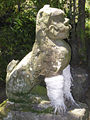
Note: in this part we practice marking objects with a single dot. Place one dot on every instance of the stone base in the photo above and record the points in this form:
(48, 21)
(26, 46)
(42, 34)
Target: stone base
(6, 113)
(76, 114)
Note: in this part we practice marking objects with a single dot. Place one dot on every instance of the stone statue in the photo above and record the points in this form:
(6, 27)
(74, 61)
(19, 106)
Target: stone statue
(50, 55)
(48, 61)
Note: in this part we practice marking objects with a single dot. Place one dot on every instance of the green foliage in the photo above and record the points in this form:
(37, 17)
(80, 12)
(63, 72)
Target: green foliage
(87, 26)
(17, 35)
(8, 5)
(87, 15)
(40, 3)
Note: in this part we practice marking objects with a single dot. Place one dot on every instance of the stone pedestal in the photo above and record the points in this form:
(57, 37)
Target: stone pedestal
(75, 114)
(8, 113)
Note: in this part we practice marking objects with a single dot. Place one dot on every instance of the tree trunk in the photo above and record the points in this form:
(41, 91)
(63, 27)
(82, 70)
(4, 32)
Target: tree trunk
(19, 5)
(81, 30)
(73, 32)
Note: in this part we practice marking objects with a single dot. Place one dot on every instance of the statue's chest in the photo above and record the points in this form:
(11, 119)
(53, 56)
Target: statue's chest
(57, 50)
(50, 59)
(56, 53)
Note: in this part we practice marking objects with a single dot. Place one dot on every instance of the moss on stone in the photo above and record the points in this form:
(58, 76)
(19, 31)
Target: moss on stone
(7, 107)
(37, 96)
(4, 109)
(39, 90)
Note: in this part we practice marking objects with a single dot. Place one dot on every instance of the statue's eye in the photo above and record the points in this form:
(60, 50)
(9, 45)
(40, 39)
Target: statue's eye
(52, 28)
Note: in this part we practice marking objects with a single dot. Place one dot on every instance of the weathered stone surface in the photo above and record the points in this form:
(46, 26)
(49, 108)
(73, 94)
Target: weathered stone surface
(11, 65)
(74, 114)
(49, 56)
(80, 83)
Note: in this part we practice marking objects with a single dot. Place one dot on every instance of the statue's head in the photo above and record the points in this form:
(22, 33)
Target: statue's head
(51, 22)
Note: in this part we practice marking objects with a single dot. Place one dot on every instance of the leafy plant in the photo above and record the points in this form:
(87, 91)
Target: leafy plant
(17, 35)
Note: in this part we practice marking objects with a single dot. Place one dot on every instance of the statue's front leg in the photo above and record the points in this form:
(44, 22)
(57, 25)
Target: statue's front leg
(55, 92)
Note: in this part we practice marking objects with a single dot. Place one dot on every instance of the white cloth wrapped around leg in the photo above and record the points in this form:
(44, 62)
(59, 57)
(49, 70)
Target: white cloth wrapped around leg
(59, 89)
(55, 92)
(67, 84)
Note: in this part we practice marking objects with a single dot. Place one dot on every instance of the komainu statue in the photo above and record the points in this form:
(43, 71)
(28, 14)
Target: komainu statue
(49, 60)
